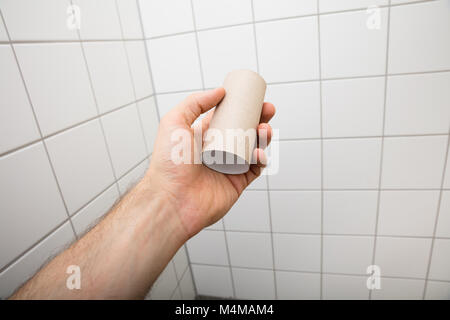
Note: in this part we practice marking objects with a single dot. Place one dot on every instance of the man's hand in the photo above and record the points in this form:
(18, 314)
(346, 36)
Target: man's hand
(200, 195)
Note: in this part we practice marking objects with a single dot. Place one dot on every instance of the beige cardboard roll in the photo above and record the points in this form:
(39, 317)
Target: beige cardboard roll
(229, 142)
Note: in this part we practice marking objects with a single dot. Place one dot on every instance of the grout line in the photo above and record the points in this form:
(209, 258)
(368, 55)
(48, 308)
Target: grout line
(147, 55)
(323, 80)
(365, 137)
(228, 257)
(91, 85)
(377, 217)
(321, 151)
(34, 245)
(329, 234)
(255, 42)
(218, 27)
(44, 137)
(197, 43)
(437, 217)
(317, 272)
(37, 123)
(133, 84)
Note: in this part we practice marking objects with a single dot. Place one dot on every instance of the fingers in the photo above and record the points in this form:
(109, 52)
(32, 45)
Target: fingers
(256, 168)
(194, 105)
(268, 111)
(264, 131)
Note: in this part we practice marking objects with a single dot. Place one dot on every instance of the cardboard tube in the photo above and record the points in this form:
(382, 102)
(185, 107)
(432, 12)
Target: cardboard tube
(229, 142)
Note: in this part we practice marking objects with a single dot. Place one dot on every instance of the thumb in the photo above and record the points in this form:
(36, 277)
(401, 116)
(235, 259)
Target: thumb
(194, 105)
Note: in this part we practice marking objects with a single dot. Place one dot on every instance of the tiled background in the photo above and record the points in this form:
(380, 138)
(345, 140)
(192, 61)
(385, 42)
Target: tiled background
(363, 114)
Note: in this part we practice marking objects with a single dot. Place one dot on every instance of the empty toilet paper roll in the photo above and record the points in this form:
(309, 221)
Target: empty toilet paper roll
(229, 142)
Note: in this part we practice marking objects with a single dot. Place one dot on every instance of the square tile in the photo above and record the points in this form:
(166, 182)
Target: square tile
(213, 281)
(166, 17)
(353, 107)
(149, 116)
(140, 73)
(224, 50)
(347, 254)
(129, 19)
(443, 226)
(92, 214)
(110, 74)
(351, 163)
(252, 250)
(419, 37)
(45, 20)
(180, 261)
(438, 290)
(168, 101)
(288, 50)
(27, 175)
(350, 212)
(402, 257)
(125, 138)
(17, 124)
(296, 252)
(174, 62)
(268, 9)
(187, 286)
(298, 109)
(249, 213)
(165, 285)
(216, 13)
(21, 270)
(333, 5)
(408, 213)
(418, 104)
(254, 284)
(297, 286)
(349, 48)
(99, 19)
(59, 91)
(399, 289)
(295, 211)
(440, 261)
(130, 179)
(296, 159)
(413, 162)
(337, 287)
(79, 155)
(208, 247)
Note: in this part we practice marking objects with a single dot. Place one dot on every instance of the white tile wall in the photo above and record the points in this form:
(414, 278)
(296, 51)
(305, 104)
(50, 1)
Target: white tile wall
(132, 177)
(45, 20)
(288, 49)
(216, 13)
(59, 91)
(148, 55)
(297, 286)
(298, 109)
(250, 213)
(174, 62)
(349, 48)
(27, 175)
(110, 74)
(18, 126)
(99, 19)
(419, 38)
(226, 49)
(76, 162)
(269, 9)
(125, 139)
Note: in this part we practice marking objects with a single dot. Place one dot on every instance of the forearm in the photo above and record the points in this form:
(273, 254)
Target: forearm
(121, 257)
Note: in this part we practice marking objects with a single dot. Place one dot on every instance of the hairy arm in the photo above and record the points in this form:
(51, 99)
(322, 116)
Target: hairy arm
(120, 257)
